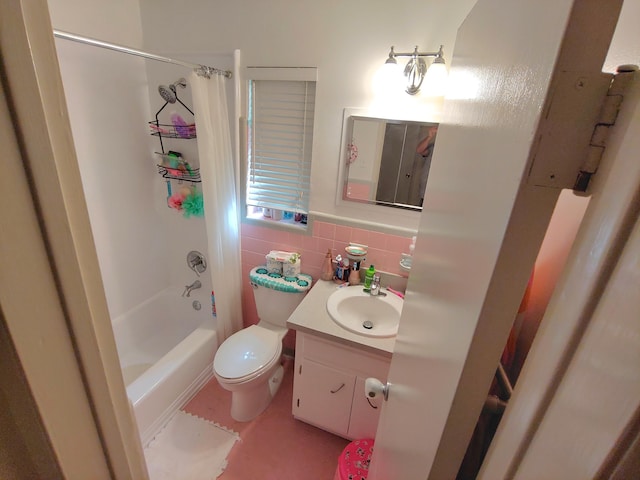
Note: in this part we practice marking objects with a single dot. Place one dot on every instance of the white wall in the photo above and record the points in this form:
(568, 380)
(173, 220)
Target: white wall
(108, 106)
(116, 21)
(142, 244)
(625, 46)
(347, 41)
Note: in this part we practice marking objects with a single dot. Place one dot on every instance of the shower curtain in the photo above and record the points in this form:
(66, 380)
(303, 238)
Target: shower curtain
(220, 199)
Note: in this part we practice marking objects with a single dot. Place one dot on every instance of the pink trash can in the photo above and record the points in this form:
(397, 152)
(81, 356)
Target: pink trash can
(354, 460)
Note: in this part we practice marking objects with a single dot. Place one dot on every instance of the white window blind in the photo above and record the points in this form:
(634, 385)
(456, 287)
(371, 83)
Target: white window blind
(281, 114)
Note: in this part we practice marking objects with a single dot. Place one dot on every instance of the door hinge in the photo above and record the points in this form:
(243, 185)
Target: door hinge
(300, 370)
(574, 127)
(607, 118)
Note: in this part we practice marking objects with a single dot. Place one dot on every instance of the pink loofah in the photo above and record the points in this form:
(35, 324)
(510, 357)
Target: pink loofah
(175, 201)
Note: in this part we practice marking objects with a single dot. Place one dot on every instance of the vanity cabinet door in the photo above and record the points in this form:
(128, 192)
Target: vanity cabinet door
(364, 414)
(322, 396)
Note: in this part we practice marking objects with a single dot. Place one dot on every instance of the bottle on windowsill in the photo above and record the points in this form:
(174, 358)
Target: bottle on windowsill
(327, 267)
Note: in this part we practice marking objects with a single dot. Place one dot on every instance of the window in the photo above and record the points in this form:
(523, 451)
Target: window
(280, 136)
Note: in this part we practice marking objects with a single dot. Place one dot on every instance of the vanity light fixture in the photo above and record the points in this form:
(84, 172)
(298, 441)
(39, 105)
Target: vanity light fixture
(417, 72)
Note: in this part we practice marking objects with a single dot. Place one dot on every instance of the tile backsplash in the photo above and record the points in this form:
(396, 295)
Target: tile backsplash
(384, 251)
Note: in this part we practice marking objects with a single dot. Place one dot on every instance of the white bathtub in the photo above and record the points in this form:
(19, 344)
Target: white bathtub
(166, 351)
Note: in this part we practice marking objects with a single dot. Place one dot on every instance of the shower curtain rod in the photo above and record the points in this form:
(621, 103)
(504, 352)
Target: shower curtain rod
(200, 69)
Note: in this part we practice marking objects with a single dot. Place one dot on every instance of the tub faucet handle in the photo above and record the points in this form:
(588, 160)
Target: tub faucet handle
(196, 262)
(189, 288)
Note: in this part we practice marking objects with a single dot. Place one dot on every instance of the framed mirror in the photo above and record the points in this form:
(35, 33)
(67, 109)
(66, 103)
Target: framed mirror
(386, 162)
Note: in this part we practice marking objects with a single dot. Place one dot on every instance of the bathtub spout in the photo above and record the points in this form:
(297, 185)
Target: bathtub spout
(189, 288)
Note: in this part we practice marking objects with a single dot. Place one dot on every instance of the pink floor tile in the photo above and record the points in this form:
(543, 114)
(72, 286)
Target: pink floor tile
(274, 446)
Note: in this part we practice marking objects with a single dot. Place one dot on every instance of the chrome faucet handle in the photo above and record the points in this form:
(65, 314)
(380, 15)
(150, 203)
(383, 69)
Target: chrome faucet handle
(196, 262)
(187, 288)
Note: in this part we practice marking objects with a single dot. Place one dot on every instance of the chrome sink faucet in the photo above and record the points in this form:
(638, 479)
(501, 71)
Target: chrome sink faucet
(375, 287)
(188, 288)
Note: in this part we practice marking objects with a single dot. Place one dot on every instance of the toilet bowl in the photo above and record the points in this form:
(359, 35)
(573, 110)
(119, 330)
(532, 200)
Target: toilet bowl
(248, 363)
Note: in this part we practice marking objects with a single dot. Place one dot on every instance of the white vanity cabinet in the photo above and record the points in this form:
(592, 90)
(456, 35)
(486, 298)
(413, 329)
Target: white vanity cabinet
(328, 386)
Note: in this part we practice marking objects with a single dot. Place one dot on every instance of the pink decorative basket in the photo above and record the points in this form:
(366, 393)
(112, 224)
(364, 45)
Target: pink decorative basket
(354, 460)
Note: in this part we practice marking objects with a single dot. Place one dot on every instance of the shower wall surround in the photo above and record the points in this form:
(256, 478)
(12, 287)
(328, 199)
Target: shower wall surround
(384, 252)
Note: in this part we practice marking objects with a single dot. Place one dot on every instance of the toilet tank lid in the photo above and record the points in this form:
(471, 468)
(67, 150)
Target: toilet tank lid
(298, 284)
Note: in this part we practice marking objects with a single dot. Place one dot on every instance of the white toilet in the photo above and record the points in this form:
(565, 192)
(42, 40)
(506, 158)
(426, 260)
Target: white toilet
(248, 362)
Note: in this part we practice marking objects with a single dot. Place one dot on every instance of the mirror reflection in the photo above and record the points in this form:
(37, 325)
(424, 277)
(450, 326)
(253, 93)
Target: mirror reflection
(387, 161)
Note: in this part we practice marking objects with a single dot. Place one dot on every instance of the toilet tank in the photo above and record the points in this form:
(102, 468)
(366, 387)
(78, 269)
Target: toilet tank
(277, 296)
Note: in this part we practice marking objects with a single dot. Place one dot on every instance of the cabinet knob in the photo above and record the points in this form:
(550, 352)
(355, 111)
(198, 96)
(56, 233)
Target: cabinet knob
(374, 388)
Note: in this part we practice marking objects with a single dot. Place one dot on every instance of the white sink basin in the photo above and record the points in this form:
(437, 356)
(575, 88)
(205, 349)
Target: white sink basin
(361, 313)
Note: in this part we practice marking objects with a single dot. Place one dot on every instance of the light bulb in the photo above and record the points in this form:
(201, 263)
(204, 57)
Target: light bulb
(435, 80)
(387, 80)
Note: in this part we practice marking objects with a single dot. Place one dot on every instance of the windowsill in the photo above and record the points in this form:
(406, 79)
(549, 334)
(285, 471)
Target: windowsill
(258, 218)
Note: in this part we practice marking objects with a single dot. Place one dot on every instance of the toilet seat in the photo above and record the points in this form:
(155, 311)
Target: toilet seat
(246, 354)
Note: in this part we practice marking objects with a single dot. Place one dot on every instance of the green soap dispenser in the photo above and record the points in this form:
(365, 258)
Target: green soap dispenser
(368, 277)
